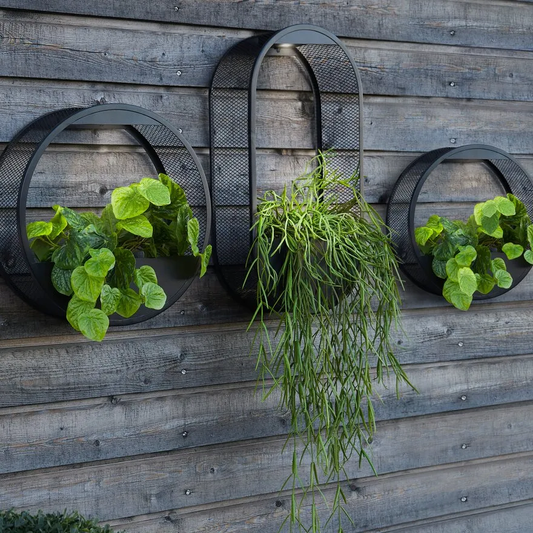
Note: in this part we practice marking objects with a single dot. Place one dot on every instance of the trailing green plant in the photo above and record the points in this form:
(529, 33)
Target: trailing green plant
(463, 252)
(93, 255)
(337, 301)
(24, 522)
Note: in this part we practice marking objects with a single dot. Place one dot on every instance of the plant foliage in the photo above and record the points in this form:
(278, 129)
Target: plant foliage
(337, 299)
(24, 522)
(462, 252)
(94, 256)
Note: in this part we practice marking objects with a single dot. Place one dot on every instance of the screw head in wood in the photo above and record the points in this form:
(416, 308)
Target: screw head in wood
(453, 140)
(452, 84)
(183, 371)
(188, 492)
(452, 32)
(464, 398)
(460, 344)
(464, 446)
(464, 499)
(178, 73)
(185, 434)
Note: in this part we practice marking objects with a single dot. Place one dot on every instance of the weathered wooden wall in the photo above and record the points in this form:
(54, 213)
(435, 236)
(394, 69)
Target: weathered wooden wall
(158, 428)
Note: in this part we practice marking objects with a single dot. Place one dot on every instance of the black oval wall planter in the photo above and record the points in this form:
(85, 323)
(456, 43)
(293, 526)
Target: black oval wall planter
(167, 150)
(233, 128)
(404, 198)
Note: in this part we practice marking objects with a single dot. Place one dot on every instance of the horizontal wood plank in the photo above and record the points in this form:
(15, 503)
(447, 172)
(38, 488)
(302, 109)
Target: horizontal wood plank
(126, 425)
(52, 47)
(497, 25)
(84, 176)
(385, 503)
(189, 478)
(284, 121)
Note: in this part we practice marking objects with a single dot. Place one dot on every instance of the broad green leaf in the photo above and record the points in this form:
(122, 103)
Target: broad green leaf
(69, 256)
(452, 269)
(145, 274)
(505, 206)
(59, 223)
(448, 225)
(439, 268)
(94, 324)
(179, 228)
(512, 251)
(129, 303)
(205, 259)
(177, 194)
(478, 213)
(484, 260)
(38, 229)
(530, 236)
(465, 257)
(92, 237)
(435, 224)
(154, 191)
(77, 308)
(444, 250)
(154, 296)
(520, 208)
(504, 280)
(423, 234)
(467, 280)
(498, 264)
(61, 280)
(489, 209)
(193, 232)
(86, 287)
(42, 249)
(454, 295)
(92, 218)
(109, 298)
(101, 262)
(75, 221)
(528, 256)
(108, 219)
(127, 202)
(485, 283)
(122, 275)
(490, 224)
(137, 226)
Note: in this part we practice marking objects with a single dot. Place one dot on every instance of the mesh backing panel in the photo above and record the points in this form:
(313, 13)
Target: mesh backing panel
(404, 196)
(30, 279)
(231, 160)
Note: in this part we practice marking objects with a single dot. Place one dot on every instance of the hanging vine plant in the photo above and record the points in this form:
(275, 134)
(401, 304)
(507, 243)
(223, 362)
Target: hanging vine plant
(328, 273)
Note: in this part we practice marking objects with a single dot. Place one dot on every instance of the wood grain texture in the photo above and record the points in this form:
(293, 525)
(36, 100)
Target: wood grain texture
(498, 25)
(52, 47)
(284, 120)
(84, 176)
(184, 479)
(126, 425)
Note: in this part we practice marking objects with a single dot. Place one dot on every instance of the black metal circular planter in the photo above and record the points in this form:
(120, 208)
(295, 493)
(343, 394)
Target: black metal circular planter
(167, 150)
(233, 102)
(404, 198)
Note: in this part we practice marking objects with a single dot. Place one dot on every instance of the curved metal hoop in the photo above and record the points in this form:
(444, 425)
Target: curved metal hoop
(404, 198)
(337, 93)
(166, 148)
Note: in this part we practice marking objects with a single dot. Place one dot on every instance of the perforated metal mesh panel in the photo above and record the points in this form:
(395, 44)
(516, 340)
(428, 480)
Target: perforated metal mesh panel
(18, 265)
(233, 174)
(404, 197)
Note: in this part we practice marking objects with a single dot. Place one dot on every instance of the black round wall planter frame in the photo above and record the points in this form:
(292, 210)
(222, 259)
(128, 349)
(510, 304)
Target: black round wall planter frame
(404, 198)
(167, 150)
(337, 95)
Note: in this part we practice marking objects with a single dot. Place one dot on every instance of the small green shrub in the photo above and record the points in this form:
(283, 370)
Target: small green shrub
(24, 522)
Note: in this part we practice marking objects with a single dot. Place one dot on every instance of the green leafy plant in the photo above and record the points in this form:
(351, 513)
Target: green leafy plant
(93, 255)
(463, 252)
(24, 522)
(337, 301)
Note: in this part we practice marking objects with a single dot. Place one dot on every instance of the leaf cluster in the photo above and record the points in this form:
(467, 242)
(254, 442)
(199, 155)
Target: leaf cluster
(93, 255)
(24, 522)
(463, 252)
(337, 300)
